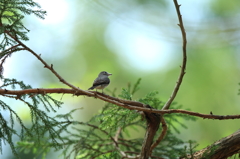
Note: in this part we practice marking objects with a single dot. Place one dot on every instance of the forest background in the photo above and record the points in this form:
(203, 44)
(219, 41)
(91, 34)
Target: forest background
(139, 39)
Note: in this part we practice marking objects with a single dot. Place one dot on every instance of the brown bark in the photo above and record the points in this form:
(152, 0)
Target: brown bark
(131, 105)
(221, 149)
(153, 121)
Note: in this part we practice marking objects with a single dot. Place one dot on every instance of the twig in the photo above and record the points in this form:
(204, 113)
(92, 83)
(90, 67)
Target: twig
(117, 134)
(184, 61)
(204, 116)
(10, 49)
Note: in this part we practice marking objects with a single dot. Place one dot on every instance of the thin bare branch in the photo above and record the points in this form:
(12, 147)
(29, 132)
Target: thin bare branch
(204, 116)
(10, 49)
(184, 60)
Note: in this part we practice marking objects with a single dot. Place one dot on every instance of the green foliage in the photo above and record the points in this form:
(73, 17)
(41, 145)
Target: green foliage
(11, 19)
(41, 122)
(87, 140)
(127, 92)
(30, 147)
(171, 146)
(151, 99)
(189, 150)
(12, 30)
(95, 139)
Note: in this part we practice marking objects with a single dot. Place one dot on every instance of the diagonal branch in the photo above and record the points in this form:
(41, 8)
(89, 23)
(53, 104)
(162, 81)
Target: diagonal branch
(184, 61)
(50, 67)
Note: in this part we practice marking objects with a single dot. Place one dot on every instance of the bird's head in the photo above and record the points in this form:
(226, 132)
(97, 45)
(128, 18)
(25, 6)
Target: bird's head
(105, 73)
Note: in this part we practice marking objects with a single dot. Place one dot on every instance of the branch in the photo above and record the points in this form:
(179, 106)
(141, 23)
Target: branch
(77, 90)
(7, 53)
(162, 135)
(223, 148)
(50, 67)
(9, 50)
(153, 121)
(204, 116)
(131, 105)
(184, 62)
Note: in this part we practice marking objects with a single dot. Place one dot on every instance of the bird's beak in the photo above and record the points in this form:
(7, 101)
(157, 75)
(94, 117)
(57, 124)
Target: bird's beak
(109, 74)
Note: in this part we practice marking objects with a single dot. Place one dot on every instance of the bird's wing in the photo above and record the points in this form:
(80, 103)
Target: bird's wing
(100, 81)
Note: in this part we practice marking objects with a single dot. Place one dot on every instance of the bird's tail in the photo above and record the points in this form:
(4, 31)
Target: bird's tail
(91, 88)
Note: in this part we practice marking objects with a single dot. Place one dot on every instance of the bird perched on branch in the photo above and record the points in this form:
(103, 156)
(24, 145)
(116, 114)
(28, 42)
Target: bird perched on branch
(101, 81)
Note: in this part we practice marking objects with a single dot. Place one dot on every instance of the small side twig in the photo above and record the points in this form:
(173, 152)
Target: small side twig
(9, 50)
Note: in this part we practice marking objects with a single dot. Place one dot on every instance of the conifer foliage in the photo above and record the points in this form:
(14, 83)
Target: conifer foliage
(12, 13)
(12, 29)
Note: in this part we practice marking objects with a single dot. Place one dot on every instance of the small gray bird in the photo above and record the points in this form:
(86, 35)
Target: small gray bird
(101, 81)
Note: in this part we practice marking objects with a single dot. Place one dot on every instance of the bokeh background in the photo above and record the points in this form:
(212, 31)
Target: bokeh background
(138, 39)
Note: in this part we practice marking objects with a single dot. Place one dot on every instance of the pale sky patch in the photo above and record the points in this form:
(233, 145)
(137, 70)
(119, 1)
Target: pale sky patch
(140, 49)
(57, 10)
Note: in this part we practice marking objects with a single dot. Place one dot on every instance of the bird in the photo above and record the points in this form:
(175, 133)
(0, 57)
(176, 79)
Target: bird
(101, 81)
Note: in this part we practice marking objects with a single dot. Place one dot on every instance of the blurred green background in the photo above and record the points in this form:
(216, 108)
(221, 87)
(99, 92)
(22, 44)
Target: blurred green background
(139, 39)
